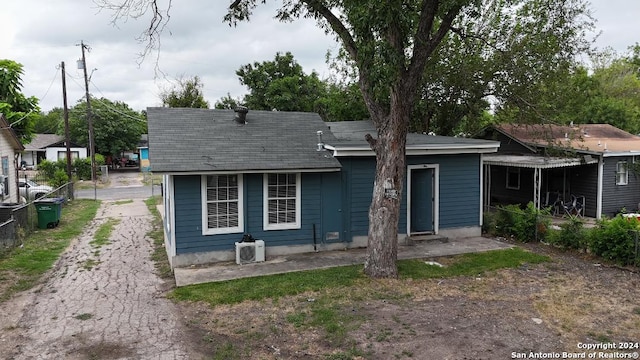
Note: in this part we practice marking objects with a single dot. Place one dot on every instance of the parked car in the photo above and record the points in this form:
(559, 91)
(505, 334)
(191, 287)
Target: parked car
(31, 190)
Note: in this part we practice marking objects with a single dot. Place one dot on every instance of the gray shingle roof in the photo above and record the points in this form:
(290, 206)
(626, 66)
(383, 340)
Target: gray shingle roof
(351, 134)
(201, 140)
(42, 141)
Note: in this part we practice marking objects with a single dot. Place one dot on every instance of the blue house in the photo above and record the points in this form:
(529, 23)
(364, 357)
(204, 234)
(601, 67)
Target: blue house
(297, 183)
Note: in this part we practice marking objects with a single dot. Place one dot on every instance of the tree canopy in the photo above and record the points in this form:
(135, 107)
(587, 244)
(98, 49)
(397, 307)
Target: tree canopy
(280, 84)
(283, 85)
(20, 111)
(117, 127)
(187, 93)
(51, 122)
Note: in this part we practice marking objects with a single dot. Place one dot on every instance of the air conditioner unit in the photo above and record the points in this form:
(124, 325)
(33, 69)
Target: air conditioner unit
(249, 252)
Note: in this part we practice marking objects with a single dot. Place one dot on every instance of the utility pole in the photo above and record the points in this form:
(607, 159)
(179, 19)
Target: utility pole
(92, 149)
(67, 139)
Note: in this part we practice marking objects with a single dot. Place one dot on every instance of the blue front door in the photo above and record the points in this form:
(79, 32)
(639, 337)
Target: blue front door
(422, 201)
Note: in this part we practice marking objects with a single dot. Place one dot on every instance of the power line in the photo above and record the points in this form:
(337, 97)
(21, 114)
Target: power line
(51, 84)
(112, 108)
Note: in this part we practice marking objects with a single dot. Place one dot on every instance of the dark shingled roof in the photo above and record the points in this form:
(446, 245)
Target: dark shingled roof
(42, 141)
(202, 140)
(351, 134)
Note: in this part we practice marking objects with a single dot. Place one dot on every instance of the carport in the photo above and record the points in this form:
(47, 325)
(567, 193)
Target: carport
(539, 164)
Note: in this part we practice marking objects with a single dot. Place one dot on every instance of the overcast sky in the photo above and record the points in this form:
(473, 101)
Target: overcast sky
(40, 34)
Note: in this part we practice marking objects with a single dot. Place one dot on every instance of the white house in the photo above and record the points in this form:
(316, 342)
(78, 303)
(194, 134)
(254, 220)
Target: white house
(49, 147)
(10, 146)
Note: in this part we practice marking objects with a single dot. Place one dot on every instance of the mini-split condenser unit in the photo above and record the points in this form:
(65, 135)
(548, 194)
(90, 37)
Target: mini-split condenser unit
(249, 252)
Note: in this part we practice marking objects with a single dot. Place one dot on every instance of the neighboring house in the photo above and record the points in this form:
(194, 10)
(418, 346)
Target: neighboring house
(143, 150)
(49, 147)
(591, 165)
(10, 146)
(298, 184)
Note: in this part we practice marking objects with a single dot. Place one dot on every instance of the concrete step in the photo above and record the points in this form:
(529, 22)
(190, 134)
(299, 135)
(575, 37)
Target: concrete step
(425, 238)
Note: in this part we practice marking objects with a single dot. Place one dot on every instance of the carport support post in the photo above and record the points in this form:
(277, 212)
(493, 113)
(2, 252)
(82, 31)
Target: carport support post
(537, 187)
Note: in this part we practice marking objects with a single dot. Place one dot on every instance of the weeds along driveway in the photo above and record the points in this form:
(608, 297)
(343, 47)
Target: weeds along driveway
(103, 300)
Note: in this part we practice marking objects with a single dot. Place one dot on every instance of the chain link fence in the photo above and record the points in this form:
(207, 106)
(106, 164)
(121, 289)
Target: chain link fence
(18, 220)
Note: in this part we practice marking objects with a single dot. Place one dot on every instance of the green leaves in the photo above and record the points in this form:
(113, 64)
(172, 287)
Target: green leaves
(19, 110)
(117, 128)
(187, 94)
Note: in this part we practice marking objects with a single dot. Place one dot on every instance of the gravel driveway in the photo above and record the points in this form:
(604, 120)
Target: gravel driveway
(99, 302)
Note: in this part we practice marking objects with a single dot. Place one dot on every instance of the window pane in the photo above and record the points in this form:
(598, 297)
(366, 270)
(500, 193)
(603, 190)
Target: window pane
(222, 201)
(281, 198)
(212, 194)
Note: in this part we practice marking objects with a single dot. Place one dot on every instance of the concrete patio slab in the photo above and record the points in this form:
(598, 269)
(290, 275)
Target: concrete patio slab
(326, 259)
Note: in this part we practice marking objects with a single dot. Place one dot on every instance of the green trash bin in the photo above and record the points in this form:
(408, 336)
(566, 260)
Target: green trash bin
(49, 212)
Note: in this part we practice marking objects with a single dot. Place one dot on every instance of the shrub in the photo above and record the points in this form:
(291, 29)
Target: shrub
(83, 166)
(525, 225)
(47, 168)
(572, 234)
(59, 178)
(615, 239)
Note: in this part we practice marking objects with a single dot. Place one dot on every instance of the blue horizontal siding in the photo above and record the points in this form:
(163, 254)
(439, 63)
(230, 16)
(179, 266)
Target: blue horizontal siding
(459, 191)
(188, 213)
(459, 204)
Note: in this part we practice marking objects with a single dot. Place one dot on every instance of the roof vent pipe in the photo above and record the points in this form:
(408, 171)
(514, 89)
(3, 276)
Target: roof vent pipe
(320, 143)
(241, 114)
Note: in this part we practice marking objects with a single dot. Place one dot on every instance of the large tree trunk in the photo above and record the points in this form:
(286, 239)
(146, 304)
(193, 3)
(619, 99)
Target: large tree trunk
(384, 212)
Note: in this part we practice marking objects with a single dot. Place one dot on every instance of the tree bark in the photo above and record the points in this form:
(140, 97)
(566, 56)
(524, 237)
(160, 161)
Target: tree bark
(384, 212)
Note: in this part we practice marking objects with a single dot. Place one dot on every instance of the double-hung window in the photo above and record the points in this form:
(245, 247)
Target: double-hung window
(222, 204)
(622, 173)
(281, 201)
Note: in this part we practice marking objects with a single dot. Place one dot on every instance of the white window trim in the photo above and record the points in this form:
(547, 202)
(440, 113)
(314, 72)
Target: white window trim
(205, 223)
(265, 206)
(619, 171)
(507, 179)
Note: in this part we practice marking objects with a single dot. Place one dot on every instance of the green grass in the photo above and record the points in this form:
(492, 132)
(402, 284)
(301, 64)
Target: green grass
(470, 264)
(159, 254)
(272, 286)
(276, 286)
(122, 202)
(90, 264)
(22, 267)
(101, 237)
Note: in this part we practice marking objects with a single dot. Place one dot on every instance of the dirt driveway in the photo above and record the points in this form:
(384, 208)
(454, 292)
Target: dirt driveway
(98, 303)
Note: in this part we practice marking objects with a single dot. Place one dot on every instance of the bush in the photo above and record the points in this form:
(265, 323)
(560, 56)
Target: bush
(83, 166)
(525, 225)
(572, 234)
(615, 239)
(47, 168)
(59, 178)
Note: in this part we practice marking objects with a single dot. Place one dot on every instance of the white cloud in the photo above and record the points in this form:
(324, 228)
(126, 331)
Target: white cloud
(40, 35)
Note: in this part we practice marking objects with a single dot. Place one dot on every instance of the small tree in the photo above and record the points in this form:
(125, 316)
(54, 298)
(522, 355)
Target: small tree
(187, 93)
